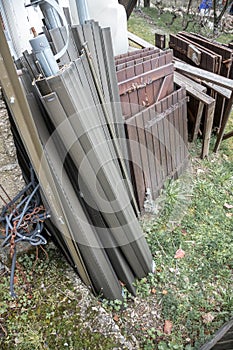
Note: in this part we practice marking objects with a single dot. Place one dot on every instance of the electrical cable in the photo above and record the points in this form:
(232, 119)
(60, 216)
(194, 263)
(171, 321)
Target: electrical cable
(23, 221)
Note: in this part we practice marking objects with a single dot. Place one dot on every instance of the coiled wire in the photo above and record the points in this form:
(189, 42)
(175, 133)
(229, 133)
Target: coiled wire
(22, 220)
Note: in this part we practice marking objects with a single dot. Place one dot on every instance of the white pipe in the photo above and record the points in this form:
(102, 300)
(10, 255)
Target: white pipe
(83, 13)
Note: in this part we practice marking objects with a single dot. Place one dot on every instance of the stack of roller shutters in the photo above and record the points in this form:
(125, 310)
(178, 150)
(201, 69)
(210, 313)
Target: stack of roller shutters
(82, 133)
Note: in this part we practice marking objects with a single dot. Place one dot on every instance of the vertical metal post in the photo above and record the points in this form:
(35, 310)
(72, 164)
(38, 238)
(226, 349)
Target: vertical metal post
(83, 13)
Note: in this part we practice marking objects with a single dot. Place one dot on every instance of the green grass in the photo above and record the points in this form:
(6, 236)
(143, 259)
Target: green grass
(46, 312)
(201, 282)
(148, 22)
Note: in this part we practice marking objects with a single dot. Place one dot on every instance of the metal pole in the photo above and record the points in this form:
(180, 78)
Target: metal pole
(83, 13)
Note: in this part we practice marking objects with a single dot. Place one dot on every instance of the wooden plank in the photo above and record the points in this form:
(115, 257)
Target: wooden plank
(198, 120)
(224, 69)
(143, 149)
(205, 51)
(166, 88)
(208, 123)
(218, 48)
(204, 75)
(144, 66)
(131, 53)
(228, 335)
(145, 78)
(146, 57)
(139, 41)
(180, 47)
(151, 154)
(228, 135)
(136, 55)
(166, 131)
(224, 123)
(219, 89)
(157, 153)
(226, 345)
(183, 80)
(160, 40)
(172, 149)
(136, 162)
(218, 336)
(202, 96)
(177, 134)
(161, 138)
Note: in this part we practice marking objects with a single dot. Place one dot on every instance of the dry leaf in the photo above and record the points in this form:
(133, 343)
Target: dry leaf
(153, 290)
(167, 327)
(229, 215)
(179, 254)
(164, 292)
(184, 232)
(208, 317)
(228, 206)
(116, 318)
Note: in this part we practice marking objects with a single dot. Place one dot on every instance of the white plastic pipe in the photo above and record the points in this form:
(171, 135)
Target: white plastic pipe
(83, 13)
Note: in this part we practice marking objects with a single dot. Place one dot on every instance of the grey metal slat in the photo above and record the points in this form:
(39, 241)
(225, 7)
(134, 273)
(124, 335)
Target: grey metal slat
(94, 105)
(28, 132)
(114, 94)
(58, 42)
(136, 229)
(98, 265)
(112, 132)
(96, 31)
(108, 166)
(105, 159)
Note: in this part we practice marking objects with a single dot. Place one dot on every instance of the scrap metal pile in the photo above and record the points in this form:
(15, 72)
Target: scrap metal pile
(82, 168)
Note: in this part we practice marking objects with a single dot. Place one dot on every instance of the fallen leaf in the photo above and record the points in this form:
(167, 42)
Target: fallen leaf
(228, 206)
(167, 329)
(116, 318)
(179, 254)
(153, 290)
(15, 280)
(184, 232)
(229, 215)
(164, 292)
(208, 317)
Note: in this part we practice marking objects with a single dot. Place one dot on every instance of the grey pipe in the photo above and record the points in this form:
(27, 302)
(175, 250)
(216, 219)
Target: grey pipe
(83, 12)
